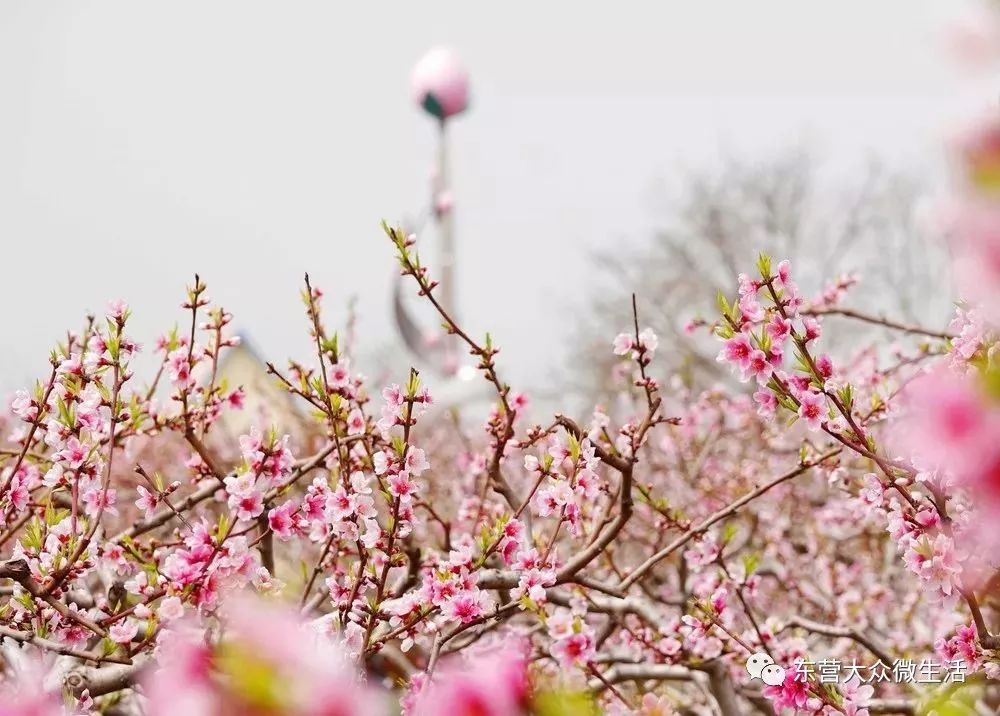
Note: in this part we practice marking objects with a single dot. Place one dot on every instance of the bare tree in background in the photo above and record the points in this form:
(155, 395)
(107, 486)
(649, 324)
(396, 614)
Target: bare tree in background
(789, 209)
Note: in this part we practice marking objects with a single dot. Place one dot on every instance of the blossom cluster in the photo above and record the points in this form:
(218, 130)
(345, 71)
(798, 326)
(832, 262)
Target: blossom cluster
(659, 542)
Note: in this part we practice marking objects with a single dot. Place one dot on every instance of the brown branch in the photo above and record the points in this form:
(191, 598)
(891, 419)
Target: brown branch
(99, 682)
(719, 515)
(609, 533)
(17, 570)
(31, 433)
(842, 633)
(266, 544)
(209, 488)
(879, 321)
(26, 638)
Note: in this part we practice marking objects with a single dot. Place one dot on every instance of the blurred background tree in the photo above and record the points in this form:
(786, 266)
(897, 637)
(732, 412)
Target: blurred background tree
(790, 207)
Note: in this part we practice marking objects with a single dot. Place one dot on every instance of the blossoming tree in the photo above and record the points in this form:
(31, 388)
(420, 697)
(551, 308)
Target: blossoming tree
(837, 525)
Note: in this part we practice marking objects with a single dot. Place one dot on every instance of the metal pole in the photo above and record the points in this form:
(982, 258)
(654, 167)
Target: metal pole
(446, 226)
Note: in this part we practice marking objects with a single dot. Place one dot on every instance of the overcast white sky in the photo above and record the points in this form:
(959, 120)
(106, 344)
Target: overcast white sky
(251, 141)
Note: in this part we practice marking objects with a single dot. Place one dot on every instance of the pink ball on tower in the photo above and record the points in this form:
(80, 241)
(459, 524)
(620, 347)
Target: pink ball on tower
(440, 84)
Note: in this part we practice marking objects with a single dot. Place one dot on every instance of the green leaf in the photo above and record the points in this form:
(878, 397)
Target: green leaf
(32, 538)
(413, 384)
(330, 345)
(574, 446)
(223, 528)
(950, 700)
(990, 379)
(722, 303)
(252, 678)
(764, 265)
(846, 395)
(724, 331)
(728, 532)
(763, 341)
(565, 703)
